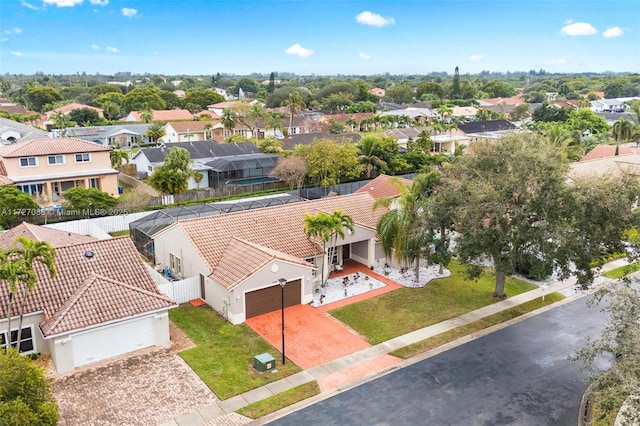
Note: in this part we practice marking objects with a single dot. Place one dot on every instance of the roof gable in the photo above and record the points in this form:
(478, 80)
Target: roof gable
(53, 236)
(384, 186)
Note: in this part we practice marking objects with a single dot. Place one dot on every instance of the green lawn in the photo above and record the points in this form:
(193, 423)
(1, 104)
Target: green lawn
(408, 309)
(224, 354)
(623, 271)
(481, 324)
(281, 400)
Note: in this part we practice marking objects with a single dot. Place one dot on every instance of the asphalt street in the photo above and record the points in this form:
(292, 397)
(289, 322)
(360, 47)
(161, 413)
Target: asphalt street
(519, 375)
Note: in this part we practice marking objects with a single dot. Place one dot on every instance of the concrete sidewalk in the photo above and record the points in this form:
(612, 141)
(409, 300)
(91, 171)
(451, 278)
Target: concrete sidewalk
(222, 413)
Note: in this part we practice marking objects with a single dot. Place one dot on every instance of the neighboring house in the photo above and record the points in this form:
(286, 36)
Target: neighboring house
(66, 109)
(118, 135)
(192, 131)
(101, 304)
(179, 93)
(54, 237)
(289, 143)
(467, 113)
(514, 100)
(221, 106)
(217, 162)
(606, 166)
(418, 114)
(45, 167)
(445, 142)
(161, 115)
(569, 103)
(606, 151)
(490, 129)
(612, 105)
(14, 108)
(241, 257)
(378, 91)
(12, 131)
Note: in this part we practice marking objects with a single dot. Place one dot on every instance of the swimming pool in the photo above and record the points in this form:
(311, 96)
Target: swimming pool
(251, 181)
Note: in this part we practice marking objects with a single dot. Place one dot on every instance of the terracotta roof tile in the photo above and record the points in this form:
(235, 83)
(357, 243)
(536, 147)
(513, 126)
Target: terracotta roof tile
(604, 151)
(243, 258)
(383, 186)
(54, 237)
(194, 126)
(116, 260)
(165, 115)
(47, 146)
(101, 300)
(70, 107)
(278, 228)
(608, 166)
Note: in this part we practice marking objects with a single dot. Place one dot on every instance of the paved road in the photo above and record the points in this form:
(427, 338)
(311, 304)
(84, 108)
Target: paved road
(518, 375)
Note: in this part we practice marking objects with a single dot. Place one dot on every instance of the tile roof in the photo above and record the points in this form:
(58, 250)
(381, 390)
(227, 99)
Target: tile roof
(47, 146)
(194, 126)
(100, 299)
(384, 186)
(278, 228)
(119, 268)
(164, 115)
(242, 258)
(609, 166)
(72, 106)
(604, 151)
(54, 237)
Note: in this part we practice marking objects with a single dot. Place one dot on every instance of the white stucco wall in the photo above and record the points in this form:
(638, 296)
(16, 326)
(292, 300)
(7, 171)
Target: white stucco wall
(173, 240)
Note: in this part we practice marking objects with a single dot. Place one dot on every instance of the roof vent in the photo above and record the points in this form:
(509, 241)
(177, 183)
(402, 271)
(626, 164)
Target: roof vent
(88, 254)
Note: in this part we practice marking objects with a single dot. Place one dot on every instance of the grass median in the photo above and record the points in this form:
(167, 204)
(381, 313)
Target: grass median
(223, 357)
(281, 400)
(408, 309)
(481, 324)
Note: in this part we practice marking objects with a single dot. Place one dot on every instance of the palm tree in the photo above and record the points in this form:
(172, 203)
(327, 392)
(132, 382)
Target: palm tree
(229, 119)
(146, 114)
(351, 122)
(339, 222)
(622, 130)
(155, 131)
(319, 227)
(61, 121)
(368, 155)
(207, 131)
(30, 252)
(13, 271)
(401, 230)
(295, 104)
(274, 122)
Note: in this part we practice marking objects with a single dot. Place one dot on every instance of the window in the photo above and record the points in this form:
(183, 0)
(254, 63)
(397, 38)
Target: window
(93, 183)
(28, 162)
(175, 263)
(56, 159)
(83, 158)
(150, 168)
(27, 344)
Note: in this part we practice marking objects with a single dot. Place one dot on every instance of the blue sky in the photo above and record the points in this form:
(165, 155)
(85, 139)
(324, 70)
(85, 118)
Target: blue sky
(324, 37)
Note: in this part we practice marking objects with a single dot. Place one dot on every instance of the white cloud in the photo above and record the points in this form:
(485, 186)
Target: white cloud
(29, 5)
(95, 47)
(129, 13)
(296, 49)
(99, 2)
(3, 39)
(578, 29)
(13, 31)
(364, 56)
(613, 32)
(63, 3)
(476, 57)
(16, 53)
(373, 19)
(112, 49)
(559, 61)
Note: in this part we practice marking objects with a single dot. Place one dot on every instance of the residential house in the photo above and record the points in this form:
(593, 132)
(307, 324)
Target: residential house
(419, 115)
(242, 257)
(45, 167)
(377, 91)
(612, 105)
(514, 100)
(66, 109)
(119, 135)
(489, 129)
(351, 121)
(161, 115)
(13, 131)
(102, 303)
(221, 106)
(607, 151)
(218, 162)
(615, 165)
(467, 113)
(14, 108)
(289, 143)
(190, 131)
(445, 143)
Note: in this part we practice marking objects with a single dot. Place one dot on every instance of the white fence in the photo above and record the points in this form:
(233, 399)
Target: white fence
(107, 224)
(182, 291)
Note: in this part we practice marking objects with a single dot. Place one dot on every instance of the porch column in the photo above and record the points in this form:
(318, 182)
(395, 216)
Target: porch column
(371, 252)
(48, 192)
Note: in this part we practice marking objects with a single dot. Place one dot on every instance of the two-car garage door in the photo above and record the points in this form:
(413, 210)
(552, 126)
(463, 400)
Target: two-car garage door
(269, 299)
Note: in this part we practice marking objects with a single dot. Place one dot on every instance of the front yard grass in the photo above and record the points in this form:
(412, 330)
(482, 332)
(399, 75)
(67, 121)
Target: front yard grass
(481, 324)
(408, 309)
(623, 271)
(281, 400)
(224, 354)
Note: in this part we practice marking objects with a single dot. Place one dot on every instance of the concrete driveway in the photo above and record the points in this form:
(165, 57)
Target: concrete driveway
(311, 337)
(146, 389)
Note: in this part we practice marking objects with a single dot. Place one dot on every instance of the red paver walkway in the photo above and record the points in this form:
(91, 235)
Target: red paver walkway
(311, 337)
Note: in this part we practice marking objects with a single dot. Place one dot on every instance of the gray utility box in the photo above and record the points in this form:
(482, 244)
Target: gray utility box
(264, 362)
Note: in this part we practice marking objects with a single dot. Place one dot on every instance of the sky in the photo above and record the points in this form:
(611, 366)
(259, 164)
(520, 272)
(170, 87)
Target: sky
(321, 37)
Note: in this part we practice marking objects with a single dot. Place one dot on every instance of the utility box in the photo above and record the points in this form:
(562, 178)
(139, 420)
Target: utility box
(264, 362)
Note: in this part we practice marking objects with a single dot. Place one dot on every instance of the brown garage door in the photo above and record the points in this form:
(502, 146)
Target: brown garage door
(270, 299)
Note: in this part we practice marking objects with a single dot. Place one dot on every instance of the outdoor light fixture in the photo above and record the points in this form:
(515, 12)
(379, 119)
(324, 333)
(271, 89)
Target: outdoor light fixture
(282, 282)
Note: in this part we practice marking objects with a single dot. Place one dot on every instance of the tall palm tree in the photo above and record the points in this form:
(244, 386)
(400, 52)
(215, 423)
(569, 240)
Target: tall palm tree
(61, 121)
(319, 227)
(13, 271)
(402, 230)
(155, 131)
(32, 252)
(340, 222)
(295, 104)
(146, 114)
(622, 130)
(274, 122)
(368, 155)
(229, 119)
